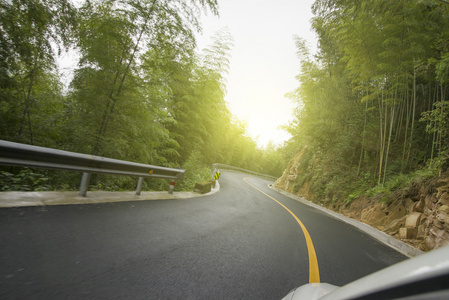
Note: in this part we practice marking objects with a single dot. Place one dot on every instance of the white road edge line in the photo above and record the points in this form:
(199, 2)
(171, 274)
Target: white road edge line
(394, 243)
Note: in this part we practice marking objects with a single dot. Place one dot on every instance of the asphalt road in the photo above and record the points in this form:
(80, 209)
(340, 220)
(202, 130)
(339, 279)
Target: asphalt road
(235, 244)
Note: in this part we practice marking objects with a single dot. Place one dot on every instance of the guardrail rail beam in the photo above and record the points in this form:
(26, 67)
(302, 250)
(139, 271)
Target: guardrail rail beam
(22, 155)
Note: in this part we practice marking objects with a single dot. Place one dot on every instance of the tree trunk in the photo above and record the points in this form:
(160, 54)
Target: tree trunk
(413, 116)
(113, 98)
(389, 141)
(382, 138)
(363, 139)
(26, 111)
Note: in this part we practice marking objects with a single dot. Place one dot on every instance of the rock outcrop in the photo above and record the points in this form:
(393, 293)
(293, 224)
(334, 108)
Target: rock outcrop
(288, 179)
(426, 224)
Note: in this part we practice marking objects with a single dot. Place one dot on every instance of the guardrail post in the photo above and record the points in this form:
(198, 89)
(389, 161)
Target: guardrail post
(84, 184)
(139, 186)
(172, 187)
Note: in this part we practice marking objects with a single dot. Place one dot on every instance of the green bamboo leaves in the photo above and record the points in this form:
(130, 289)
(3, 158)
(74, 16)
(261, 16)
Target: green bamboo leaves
(380, 66)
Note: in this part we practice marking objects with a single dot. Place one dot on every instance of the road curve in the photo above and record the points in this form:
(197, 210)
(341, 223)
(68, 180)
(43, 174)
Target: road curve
(236, 244)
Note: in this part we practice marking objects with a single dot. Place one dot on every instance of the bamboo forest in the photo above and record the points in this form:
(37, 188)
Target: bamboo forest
(141, 91)
(372, 104)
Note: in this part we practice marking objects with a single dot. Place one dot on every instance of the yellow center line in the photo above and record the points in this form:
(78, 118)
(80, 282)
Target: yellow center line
(314, 272)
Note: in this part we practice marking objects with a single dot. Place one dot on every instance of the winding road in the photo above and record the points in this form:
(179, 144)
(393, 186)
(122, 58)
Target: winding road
(243, 242)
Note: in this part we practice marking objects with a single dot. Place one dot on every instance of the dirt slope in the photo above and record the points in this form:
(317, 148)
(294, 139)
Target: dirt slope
(417, 214)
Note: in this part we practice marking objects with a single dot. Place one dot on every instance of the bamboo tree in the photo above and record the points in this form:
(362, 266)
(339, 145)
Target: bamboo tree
(392, 48)
(30, 32)
(413, 114)
(363, 137)
(130, 27)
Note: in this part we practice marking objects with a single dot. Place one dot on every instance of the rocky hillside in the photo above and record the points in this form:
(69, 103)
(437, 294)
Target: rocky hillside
(417, 214)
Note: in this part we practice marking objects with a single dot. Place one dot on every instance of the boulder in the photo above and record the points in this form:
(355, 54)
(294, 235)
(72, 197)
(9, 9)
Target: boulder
(430, 242)
(418, 206)
(409, 205)
(413, 220)
(202, 187)
(430, 201)
(396, 224)
(421, 233)
(407, 233)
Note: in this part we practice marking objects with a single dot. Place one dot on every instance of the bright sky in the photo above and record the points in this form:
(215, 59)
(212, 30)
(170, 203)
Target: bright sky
(264, 62)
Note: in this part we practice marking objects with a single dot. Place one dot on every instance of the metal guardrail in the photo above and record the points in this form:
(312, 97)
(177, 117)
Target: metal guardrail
(15, 154)
(228, 167)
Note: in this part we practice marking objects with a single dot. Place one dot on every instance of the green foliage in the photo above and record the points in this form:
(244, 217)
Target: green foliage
(113, 183)
(379, 67)
(359, 188)
(438, 124)
(400, 181)
(397, 182)
(25, 180)
(29, 32)
(196, 171)
(140, 92)
(272, 161)
(201, 118)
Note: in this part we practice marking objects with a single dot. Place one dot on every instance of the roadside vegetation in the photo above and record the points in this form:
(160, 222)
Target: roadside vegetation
(373, 103)
(141, 91)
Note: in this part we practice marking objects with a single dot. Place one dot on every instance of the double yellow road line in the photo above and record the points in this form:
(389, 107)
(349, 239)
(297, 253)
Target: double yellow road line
(314, 272)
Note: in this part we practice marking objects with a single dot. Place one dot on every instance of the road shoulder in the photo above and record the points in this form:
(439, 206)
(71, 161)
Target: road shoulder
(379, 235)
(22, 199)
